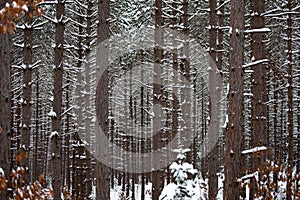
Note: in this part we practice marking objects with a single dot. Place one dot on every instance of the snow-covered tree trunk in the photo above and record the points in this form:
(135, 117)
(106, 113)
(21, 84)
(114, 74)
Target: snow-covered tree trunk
(90, 45)
(27, 90)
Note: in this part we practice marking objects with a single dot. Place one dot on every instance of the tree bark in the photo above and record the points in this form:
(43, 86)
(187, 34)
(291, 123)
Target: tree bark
(213, 154)
(259, 136)
(27, 90)
(234, 137)
(290, 101)
(5, 102)
(56, 160)
(157, 179)
(102, 171)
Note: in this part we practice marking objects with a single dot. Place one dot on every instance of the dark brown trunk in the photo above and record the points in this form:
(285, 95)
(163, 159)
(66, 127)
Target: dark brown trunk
(220, 49)
(77, 148)
(37, 161)
(27, 90)
(259, 109)
(88, 116)
(142, 125)
(213, 154)
(234, 137)
(157, 176)
(56, 160)
(203, 134)
(67, 148)
(290, 100)
(275, 98)
(5, 102)
(298, 123)
(102, 171)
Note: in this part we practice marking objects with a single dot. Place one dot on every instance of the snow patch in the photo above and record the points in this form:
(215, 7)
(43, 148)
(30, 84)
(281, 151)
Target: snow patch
(24, 7)
(1, 172)
(255, 63)
(54, 133)
(52, 113)
(258, 30)
(255, 149)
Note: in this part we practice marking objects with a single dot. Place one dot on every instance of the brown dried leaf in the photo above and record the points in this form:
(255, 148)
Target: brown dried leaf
(19, 157)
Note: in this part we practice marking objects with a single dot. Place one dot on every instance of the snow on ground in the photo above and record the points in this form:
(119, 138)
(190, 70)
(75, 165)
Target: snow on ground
(117, 194)
(1, 171)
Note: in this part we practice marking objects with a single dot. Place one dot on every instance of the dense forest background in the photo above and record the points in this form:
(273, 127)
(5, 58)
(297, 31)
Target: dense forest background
(220, 77)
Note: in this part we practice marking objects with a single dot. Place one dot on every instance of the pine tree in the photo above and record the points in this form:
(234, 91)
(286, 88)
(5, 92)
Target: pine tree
(184, 185)
(234, 136)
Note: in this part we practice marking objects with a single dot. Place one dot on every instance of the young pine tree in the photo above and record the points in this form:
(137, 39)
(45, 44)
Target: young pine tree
(184, 185)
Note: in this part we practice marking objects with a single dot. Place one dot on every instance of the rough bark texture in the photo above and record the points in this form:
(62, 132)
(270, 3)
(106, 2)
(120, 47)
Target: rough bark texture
(27, 89)
(290, 100)
(219, 62)
(298, 123)
(142, 102)
(186, 90)
(213, 154)
(5, 102)
(56, 160)
(102, 171)
(234, 137)
(157, 179)
(259, 136)
(89, 38)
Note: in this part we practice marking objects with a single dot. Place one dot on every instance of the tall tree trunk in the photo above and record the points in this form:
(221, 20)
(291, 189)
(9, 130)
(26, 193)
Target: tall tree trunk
(142, 107)
(27, 90)
(102, 171)
(213, 154)
(259, 135)
(219, 62)
(89, 38)
(67, 146)
(276, 157)
(78, 149)
(5, 102)
(37, 160)
(56, 159)
(186, 90)
(290, 100)
(157, 179)
(234, 137)
(204, 167)
(298, 121)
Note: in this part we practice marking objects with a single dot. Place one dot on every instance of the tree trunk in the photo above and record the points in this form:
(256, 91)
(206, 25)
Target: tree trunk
(290, 101)
(157, 179)
(234, 137)
(5, 102)
(102, 171)
(213, 154)
(27, 90)
(56, 159)
(259, 135)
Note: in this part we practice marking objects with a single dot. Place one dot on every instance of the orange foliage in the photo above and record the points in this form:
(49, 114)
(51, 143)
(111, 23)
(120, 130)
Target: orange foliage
(13, 10)
(23, 191)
